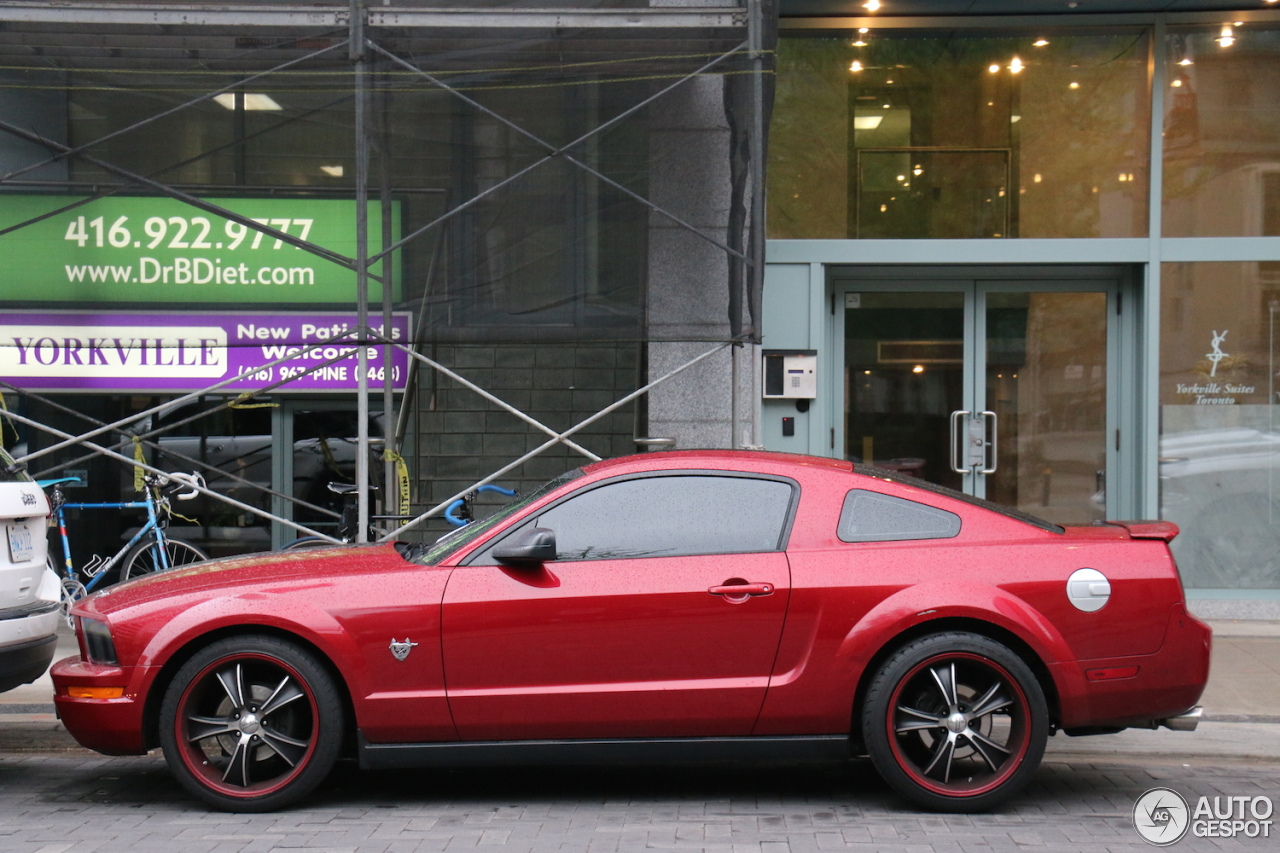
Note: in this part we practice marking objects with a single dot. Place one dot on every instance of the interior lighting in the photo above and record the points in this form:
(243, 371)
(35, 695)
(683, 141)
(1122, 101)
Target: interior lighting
(919, 368)
(871, 5)
(1123, 177)
(856, 66)
(1177, 84)
(917, 171)
(864, 30)
(1014, 119)
(1037, 178)
(1185, 61)
(859, 43)
(902, 177)
(1015, 65)
(1073, 85)
(883, 208)
(1040, 42)
(251, 101)
(993, 68)
(867, 122)
(1226, 38)
(332, 171)
(886, 106)
(867, 372)
(888, 82)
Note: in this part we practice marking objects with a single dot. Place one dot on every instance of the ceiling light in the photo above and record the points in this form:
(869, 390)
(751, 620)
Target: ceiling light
(871, 5)
(919, 368)
(1073, 85)
(1014, 119)
(1185, 61)
(863, 30)
(1226, 39)
(1040, 42)
(1177, 84)
(1037, 178)
(859, 43)
(917, 171)
(856, 66)
(902, 177)
(251, 101)
(1015, 65)
(888, 82)
(886, 106)
(867, 122)
(993, 68)
(332, 171)
(884, 208)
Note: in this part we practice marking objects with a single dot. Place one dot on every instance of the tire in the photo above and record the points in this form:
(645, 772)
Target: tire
(230, 739)
(925, 692)
(142, 559)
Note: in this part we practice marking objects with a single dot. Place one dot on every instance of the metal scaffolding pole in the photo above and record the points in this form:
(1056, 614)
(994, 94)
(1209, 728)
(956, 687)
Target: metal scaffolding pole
(356, 40)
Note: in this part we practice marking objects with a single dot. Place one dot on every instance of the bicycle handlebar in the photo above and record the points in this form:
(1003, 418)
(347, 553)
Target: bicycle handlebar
(450, 512)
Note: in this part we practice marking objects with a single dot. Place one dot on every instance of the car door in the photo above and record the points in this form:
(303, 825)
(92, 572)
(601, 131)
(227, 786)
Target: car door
(630, 632)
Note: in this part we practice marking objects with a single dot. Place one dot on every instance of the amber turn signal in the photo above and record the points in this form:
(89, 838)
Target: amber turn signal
(76, 692)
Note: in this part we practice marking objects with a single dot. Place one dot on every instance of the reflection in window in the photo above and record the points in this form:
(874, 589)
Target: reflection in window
(669, 516)
(1222, 133)
(939, 135)
(1219, 424)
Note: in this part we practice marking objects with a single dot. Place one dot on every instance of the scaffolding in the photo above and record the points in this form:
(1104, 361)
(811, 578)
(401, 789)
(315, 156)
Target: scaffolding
(370, 63)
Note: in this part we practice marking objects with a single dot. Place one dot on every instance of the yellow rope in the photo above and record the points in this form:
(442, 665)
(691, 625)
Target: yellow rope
(402, 480)
(138, 474)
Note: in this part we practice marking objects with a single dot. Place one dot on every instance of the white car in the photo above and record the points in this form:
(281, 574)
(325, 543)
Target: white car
(29, 590)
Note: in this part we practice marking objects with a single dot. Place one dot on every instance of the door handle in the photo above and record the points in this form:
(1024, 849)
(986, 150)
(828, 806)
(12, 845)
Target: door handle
(990, 460)
(742, 590)
(956, 424)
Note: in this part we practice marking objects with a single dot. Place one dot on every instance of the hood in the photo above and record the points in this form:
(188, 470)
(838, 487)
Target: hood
(233, 575)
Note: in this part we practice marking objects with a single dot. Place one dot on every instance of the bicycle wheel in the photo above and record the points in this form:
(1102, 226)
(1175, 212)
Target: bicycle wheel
(72, 591)
(306, 543)
(145, 558)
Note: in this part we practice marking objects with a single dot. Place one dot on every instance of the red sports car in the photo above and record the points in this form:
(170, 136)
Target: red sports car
(669, 605)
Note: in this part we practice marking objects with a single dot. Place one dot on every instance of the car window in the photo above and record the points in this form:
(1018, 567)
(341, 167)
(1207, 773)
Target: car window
(11, 472)
(872, 517)
(669, 516)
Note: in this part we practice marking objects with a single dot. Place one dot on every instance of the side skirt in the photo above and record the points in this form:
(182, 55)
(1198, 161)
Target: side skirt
(627, 751)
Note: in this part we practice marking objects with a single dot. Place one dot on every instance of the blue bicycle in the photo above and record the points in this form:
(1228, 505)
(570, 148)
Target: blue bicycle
(149, 550)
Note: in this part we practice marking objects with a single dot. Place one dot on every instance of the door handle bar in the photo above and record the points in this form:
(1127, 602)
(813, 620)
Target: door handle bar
(742, 589)
(992, 460)
(956, 417)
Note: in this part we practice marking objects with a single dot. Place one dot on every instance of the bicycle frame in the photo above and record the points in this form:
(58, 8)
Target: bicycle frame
(100, 571)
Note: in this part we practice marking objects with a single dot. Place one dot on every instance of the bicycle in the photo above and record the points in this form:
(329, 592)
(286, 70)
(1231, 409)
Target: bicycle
(147, 551)
(457, 513)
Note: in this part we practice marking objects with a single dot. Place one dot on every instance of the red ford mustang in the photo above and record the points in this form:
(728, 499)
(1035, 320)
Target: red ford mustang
(668, 606)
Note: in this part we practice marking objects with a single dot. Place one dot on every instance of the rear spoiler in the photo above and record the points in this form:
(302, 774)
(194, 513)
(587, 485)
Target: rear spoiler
(1165, 530)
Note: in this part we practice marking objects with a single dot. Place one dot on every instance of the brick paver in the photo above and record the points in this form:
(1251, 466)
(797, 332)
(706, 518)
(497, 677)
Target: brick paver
(79, 803)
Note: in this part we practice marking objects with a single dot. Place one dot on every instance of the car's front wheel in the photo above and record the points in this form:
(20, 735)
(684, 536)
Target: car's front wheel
(955, 722)
(251, 724)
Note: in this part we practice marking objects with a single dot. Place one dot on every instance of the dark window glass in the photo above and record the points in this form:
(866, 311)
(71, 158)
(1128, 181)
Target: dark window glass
(669, 516)
(873, 517)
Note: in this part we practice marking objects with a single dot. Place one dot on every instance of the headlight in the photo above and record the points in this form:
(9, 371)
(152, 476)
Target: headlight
(97, 642)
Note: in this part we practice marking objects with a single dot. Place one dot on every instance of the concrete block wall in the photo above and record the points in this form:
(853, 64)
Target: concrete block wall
(466, 437)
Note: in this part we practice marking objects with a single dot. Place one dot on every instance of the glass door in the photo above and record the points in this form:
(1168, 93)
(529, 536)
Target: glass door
(1000, 389)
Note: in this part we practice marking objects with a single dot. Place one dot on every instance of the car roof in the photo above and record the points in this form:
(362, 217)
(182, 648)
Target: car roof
(658, 460)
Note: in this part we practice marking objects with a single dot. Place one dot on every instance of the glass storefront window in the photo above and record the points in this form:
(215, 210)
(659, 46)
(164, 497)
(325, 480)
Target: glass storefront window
(1219, 425)
(1222, 133)
(927, 134)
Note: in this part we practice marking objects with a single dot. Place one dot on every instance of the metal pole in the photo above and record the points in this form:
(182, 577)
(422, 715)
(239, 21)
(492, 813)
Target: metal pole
(755, 271)
(390, 439)
(356, 41)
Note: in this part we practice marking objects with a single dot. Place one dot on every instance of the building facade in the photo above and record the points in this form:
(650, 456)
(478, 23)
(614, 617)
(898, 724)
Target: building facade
(1034, 251)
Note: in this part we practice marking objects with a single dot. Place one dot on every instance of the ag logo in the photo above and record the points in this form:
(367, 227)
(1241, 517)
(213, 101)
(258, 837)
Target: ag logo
(1161, 816)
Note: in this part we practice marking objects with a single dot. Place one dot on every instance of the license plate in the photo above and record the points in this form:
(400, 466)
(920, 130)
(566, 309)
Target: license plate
(22, 547)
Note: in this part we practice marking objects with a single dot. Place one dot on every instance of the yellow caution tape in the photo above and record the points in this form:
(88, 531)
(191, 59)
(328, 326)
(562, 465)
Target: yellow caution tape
(138, 473)
(402, 480)
(239, 403)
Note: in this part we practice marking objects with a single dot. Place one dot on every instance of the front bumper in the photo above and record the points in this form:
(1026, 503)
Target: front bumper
(109, 726)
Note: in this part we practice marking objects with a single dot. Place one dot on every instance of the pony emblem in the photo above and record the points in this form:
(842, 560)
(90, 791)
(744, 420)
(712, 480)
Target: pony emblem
(401, 650)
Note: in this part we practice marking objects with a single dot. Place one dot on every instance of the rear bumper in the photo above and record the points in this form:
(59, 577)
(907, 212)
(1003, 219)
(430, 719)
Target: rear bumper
(1162, 690)
(23, 662)
(109, 726)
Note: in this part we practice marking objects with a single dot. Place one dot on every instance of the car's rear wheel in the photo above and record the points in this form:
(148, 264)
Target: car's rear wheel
(251, 724)
(955, 722)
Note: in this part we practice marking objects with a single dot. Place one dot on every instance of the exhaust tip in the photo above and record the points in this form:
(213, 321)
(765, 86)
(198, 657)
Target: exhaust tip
(1185, 722)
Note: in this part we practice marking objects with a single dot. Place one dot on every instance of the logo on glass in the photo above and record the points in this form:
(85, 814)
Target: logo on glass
(1161, 816)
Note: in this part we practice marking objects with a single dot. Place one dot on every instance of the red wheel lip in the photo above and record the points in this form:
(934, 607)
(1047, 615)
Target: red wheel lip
(1022, 727)
(193, 759)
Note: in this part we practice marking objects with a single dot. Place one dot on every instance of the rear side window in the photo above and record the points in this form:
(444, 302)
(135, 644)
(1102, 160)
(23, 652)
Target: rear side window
(872, 517)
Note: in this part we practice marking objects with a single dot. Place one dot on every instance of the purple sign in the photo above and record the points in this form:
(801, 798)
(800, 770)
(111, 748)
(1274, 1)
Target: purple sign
(81, 351)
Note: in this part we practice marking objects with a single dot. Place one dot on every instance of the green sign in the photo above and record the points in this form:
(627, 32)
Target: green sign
(131, 249)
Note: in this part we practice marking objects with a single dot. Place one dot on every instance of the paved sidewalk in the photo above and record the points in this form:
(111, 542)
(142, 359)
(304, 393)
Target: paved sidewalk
(1241, 702)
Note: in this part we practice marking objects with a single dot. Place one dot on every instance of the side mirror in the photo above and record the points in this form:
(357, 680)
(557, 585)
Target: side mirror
(535, 545)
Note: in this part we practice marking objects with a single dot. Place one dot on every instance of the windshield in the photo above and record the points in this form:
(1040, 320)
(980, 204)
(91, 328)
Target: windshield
(430, 555)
